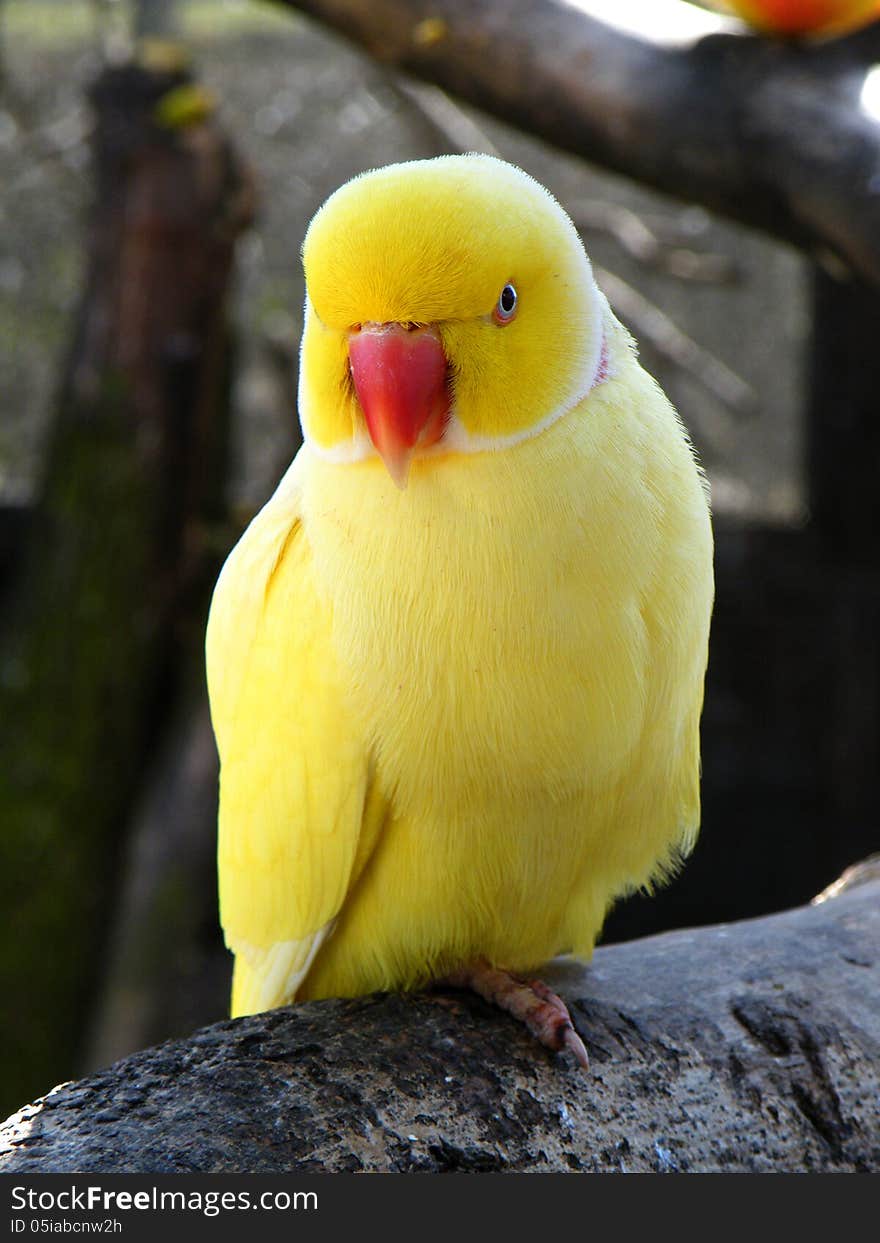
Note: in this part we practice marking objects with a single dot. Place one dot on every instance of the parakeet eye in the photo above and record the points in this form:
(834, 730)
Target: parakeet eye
(505, 307)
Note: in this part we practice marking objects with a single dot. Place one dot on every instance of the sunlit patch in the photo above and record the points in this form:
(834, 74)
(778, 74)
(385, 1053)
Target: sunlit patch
(870, 96)
(663, 21)
(18, 1127)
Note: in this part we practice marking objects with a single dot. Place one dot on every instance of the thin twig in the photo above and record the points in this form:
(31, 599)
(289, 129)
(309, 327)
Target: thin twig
(655, 327)
(632, 233)
(442, 113)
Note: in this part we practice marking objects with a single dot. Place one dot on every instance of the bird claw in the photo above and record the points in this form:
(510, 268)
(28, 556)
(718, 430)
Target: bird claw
(542, 1011)
(572, 1041)
(552, 1024)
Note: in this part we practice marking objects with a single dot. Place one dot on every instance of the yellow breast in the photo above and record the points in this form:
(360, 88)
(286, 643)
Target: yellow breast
(524, 639)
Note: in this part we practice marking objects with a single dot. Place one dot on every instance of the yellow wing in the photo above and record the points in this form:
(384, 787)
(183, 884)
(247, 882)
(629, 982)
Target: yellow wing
(295, 777)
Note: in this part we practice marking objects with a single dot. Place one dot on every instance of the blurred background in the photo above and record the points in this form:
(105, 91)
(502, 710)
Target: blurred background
(159, 163)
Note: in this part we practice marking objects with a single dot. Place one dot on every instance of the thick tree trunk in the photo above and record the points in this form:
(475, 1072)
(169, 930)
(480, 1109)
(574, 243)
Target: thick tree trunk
(112, 570)
(751, 1046)
(166, 970)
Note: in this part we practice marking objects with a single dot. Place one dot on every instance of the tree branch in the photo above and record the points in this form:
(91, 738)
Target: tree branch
(745, 1047)
(766, 132)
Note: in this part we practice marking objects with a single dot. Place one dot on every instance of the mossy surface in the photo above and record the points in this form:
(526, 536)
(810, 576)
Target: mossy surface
(78, 680)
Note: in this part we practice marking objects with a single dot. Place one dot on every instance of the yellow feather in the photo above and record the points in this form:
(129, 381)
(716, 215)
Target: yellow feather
(457, 721)
(295, 775)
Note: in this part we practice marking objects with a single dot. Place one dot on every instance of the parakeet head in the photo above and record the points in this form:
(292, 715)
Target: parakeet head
(450, 309)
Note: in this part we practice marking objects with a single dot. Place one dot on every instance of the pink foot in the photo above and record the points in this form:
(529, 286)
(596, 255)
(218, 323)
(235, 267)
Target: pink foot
(531, 1001)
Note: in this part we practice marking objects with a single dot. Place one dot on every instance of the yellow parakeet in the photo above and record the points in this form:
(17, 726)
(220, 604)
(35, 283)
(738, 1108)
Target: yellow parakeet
(456, 663)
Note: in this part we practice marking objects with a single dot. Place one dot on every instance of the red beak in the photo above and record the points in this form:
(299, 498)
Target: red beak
(400, 379)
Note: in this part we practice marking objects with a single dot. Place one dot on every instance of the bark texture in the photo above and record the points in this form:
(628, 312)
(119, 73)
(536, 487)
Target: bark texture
(745, 1047)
